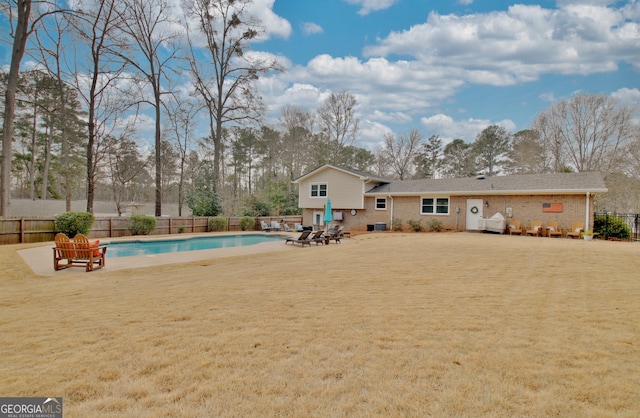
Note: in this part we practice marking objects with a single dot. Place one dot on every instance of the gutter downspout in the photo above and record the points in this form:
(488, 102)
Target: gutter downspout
(586, 213)
(391, 220)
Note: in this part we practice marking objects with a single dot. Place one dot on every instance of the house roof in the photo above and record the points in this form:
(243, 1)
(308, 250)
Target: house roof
(361, 174)
(560, 183)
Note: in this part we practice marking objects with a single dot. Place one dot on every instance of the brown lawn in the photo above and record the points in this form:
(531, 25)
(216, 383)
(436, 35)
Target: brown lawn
(455, 324)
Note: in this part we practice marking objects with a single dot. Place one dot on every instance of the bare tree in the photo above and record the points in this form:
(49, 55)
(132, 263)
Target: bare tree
(20, 32)
(181, 115)
(298, 128)
(526, 155)
(125, 165)
(149, 26)
(338, 122)
(226, 78)
(587, 132)
(22, 26)
(401, 152)
(95, 71)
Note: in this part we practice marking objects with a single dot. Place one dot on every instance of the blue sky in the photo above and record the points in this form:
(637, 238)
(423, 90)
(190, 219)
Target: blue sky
(451, 68)
(445, 67)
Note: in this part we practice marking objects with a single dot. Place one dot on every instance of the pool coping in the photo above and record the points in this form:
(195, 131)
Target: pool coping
(40, 259)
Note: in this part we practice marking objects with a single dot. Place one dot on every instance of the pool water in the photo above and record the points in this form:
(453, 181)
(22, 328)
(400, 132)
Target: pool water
(131, 248)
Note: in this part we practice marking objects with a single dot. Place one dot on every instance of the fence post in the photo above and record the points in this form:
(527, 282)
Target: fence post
(21, 230)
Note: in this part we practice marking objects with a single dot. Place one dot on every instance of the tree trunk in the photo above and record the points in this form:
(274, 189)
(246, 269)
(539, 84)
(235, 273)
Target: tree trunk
(19, 42)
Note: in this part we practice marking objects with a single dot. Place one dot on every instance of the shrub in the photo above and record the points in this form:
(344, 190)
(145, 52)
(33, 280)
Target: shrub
(611, 226)
(247, 223)
(415, 226)
(435, 226)
(141, 224)
(204, 202)
(74, 223)
(397, 224)
(217, 224)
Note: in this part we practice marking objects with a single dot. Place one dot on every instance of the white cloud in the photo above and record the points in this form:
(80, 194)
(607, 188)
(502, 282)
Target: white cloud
(520, 44)
(368, 6)
(274, 25)
(547, 97)
(629, 97)
(310, 28)
(465, 2)
(449, 129)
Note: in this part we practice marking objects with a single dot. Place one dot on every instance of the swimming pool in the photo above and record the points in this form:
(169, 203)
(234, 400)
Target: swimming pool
(139, 247)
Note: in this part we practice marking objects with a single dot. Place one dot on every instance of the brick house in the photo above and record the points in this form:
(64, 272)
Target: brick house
(362, 201)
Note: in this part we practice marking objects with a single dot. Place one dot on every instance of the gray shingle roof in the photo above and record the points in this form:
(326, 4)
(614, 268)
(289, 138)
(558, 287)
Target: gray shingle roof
(363, 174)
(561, 183)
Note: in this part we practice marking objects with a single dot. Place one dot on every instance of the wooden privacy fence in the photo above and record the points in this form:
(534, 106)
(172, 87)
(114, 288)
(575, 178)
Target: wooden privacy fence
(31, 230)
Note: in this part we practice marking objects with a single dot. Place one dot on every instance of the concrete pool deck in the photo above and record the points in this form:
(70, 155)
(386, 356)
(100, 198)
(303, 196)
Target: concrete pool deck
(40, 258)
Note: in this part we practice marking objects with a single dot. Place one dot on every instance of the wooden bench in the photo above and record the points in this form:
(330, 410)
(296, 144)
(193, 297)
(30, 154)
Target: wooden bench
(78, 253)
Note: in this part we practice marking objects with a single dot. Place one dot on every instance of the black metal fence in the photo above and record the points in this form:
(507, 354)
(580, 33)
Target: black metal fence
(608, 225)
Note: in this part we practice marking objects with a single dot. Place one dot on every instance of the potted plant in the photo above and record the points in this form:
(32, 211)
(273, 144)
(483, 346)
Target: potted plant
(587, 235)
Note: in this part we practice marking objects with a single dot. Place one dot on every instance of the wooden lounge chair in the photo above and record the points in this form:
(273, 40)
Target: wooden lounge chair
(536, 226)
(318, 238)
(514, 228)
(302, 239)
(78, 253)
(553, 230)
(577, 228)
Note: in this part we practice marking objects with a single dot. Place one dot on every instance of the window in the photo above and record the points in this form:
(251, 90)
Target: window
(434, 206)
(381, 203)
(319, 190)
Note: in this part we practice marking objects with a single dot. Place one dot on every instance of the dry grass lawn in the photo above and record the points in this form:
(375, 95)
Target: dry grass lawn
(456, 324)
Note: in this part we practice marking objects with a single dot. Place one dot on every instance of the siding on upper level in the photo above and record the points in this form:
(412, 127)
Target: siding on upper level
(345, 188)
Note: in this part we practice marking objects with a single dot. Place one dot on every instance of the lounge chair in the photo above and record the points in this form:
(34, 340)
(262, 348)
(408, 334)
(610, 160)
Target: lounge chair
(553, 230)
(78, 253)
(577, 228)
(536, 226)
(514, 228)
(265, 226)
(302, 239)
(298, 227)
(318, 238)
(275, 226)
(335, 235)
(287, 229)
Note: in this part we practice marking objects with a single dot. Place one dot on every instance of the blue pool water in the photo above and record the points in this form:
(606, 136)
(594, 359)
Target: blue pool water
(131, 248)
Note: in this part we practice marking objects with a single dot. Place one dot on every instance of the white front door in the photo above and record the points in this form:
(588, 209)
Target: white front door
(474, 205)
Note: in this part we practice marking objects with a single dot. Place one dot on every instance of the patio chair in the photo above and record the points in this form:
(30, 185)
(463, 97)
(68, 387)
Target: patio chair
(302, 239)
(78, 253)
(553, 230)
(298, 227)
(265, 226)
(536, 226)
(287, 229)
(64, 250)
(515, 228)
(317, 237)
(577, 228)
(275, 225)
(91, 252)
